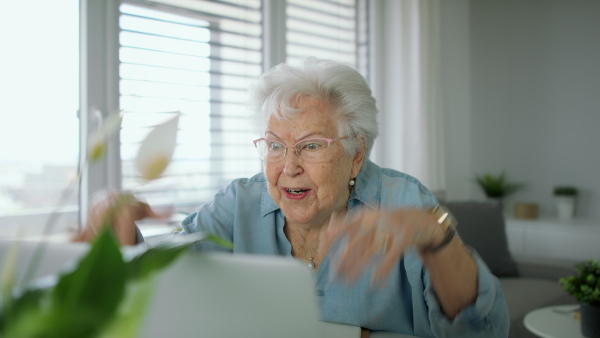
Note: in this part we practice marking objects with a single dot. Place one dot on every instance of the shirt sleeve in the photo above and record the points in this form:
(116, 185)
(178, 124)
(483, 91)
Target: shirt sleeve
(208, 219)
(214, 217)
(487, 317)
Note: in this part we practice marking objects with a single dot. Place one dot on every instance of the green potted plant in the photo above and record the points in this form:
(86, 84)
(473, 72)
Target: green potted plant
(497, 187)
(585, 288)
(565, 197)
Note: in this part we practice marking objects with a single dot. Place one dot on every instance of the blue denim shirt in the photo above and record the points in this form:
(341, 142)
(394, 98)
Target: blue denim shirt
(244, 213)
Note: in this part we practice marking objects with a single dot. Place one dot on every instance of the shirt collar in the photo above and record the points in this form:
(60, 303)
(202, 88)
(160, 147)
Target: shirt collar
(367, 186)
(267, 205)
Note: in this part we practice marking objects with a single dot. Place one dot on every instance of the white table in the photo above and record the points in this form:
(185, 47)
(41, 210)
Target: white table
(556, 321)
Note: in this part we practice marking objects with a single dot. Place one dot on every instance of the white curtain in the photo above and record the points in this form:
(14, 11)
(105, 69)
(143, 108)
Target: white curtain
(405, 78)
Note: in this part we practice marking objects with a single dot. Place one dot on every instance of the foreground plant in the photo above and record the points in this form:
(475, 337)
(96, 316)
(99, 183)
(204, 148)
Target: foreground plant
(105, 294)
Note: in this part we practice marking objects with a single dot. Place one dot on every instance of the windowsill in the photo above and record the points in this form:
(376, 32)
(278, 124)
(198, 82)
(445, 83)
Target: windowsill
(62, 237)
(150, 230)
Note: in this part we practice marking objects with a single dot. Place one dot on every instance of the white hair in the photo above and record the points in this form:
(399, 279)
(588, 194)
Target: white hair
(277, 92)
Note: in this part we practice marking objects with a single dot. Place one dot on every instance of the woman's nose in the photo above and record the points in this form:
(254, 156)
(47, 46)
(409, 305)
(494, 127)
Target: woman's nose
(292, 165)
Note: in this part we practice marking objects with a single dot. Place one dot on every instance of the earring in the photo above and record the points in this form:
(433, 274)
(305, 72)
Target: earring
(351, 182)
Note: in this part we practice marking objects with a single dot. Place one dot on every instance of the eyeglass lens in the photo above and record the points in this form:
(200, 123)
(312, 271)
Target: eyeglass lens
(311, 150)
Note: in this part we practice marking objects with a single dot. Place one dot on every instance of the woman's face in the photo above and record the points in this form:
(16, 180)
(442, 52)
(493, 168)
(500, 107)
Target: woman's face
(324, 187)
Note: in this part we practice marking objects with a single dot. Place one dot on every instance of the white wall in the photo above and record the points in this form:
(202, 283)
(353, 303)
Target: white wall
(533, 108)
(456, 96)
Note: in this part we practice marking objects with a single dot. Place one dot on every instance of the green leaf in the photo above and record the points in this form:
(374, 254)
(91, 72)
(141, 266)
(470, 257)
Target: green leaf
(142, 272)
(86, 298)
(497, 186)
(565, 191)
(153, 260)
(158, 257)
(219, 240)
(131, 314)
(24, 315)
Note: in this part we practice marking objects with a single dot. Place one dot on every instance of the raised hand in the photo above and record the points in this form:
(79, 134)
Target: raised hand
(380, 237)
(118, 210)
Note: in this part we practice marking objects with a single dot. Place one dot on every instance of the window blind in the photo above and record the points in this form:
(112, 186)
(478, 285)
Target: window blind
(326, 29)
(197, 58)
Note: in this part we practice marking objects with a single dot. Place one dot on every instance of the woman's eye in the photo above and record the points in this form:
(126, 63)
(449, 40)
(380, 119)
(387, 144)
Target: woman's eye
(312, 146)
(276, 146)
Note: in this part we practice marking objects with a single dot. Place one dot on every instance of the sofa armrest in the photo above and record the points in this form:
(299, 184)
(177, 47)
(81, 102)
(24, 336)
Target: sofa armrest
(544, 268)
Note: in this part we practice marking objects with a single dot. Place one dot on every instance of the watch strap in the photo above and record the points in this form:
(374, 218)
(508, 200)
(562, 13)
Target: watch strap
(450, 233)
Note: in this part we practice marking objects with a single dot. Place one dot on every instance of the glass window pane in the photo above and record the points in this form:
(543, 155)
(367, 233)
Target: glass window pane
(39, 82)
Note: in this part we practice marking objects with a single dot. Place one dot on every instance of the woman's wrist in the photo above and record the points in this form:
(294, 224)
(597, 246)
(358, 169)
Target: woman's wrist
(444, 232)
(435, 247)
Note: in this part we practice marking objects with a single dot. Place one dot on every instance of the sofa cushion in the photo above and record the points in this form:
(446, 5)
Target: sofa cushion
(527, 294)
(481, 226)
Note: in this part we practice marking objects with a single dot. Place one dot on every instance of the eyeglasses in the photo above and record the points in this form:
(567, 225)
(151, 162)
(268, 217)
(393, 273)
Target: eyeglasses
(309, 150)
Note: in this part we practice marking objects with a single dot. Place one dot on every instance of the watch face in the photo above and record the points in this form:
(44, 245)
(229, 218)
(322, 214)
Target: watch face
(444, 217)
(448, 223)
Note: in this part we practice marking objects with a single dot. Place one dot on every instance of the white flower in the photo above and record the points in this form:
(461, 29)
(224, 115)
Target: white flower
(97, 144)
(157, 149)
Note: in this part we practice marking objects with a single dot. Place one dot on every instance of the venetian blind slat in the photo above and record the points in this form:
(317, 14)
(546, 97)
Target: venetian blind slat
(324, 29)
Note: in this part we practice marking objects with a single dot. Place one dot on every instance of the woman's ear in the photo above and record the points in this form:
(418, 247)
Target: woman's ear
(359, 157)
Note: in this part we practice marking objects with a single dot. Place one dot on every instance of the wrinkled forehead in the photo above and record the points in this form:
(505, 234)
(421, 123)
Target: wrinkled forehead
(310, 118)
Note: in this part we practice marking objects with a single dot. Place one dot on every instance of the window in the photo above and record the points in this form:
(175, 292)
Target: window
(149, 59)
(39, 79)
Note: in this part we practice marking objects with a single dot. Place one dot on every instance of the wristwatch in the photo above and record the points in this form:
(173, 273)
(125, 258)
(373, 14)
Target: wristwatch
(448, 222)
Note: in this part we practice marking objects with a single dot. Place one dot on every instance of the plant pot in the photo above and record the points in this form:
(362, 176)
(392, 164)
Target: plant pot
(498, 201)
(565, 207)
(590, 320)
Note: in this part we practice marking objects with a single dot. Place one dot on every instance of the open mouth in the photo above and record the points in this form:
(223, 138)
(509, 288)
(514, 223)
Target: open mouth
(296, 191)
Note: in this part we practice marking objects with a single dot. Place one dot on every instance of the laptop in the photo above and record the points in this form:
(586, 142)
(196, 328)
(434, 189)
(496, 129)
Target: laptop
(216, 295)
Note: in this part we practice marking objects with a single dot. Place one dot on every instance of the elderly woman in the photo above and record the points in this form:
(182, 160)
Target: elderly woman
(383, 257)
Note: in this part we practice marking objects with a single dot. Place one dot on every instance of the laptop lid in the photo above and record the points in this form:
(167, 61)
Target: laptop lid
(219, 295)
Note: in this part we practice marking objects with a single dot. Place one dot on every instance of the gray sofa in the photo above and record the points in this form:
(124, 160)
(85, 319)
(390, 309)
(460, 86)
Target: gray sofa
(527, 283)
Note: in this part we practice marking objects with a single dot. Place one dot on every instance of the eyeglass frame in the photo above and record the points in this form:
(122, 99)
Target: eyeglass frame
(329, 141)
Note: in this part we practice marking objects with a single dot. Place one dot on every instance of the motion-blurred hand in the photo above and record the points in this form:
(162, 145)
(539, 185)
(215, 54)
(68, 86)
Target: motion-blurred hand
(380, 236)
(119, 211)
